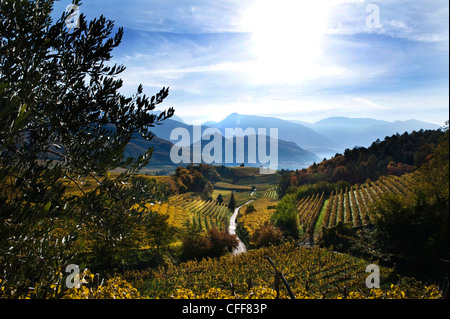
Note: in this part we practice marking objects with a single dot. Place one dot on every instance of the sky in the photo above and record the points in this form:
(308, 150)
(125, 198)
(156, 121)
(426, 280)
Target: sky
(291, 59)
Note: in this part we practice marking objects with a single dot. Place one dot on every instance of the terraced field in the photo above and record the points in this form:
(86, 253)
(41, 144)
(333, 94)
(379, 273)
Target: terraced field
(351, 205)
(208, 214)
(267, 192)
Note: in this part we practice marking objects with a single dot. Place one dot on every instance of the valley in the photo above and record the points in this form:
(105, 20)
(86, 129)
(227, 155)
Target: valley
(328, 217)
(323, 175)
(216, 225)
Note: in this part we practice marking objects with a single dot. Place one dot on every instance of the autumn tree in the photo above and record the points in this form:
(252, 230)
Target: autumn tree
(214, 244)
(267, 235)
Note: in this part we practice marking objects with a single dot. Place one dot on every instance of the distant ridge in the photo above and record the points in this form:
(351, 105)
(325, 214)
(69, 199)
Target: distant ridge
(290, 155)
(300, 143)
(351, 132)
(305, 137)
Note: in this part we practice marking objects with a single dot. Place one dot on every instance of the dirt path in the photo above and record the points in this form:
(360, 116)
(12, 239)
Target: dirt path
(232, 230)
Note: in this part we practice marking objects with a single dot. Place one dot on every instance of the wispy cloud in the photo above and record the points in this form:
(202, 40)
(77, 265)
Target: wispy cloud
(176, 16)
(220, 56)
(370, 104)
(419, 20)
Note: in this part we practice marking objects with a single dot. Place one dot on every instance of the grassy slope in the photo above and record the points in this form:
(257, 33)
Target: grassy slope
(318, 225)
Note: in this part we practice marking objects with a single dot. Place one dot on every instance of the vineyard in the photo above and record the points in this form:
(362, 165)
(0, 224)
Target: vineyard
(310, 273)
(186, 209)
(266, 192)
(309, 209)
(207, 214)
(350, 205)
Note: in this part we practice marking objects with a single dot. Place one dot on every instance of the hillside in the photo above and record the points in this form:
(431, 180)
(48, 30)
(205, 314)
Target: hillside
(326, 137)
(289, 154)
(299, 143)
(311, 273)
(301, 135)
(399, 219)
(161, 150)
(395, 155)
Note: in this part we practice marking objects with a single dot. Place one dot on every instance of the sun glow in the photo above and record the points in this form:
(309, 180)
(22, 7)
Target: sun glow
(286, 37)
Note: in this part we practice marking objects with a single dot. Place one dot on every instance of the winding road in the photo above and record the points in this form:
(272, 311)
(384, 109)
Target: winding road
(232, 230)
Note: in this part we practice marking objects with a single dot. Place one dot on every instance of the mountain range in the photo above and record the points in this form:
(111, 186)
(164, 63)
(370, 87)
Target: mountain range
(299, 143)
(351, 132)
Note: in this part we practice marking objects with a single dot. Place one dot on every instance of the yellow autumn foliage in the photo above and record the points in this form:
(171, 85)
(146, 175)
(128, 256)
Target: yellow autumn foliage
(113, 288)
(395, 292)
(262, 214)
(311, 273)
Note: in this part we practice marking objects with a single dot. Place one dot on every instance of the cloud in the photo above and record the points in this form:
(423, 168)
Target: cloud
(371, 104)
(206, 54)
(420, 20)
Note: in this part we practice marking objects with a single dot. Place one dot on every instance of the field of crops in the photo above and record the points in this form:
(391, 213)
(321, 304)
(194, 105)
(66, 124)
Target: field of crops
(309, 209)
(310, 273)
(351, 205)
(267, 192)
(233, 187)
(207, 214)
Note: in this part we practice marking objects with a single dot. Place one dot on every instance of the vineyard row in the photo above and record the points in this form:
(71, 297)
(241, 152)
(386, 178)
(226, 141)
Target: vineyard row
(352, 205)
(207, 214)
